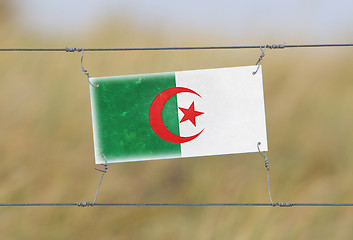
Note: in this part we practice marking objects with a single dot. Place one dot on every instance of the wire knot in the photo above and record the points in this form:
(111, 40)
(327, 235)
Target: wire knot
(105, 168)
(283, 204)
(84, 204)
(68, 49)
(267, 164)
(263, 48)
(276, 46)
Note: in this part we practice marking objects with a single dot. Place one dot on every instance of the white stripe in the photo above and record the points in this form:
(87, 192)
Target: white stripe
(233, 103)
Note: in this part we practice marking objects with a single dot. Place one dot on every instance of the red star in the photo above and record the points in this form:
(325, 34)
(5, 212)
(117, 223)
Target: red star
(190, 114)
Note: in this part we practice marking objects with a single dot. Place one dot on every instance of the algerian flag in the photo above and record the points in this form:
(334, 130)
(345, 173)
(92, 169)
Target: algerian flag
(181, 114)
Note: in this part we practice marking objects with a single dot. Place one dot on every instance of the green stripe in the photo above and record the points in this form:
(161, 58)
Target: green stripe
(120, 108)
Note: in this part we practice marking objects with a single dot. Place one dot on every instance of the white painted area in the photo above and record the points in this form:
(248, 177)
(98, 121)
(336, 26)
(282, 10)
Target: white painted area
(233, 103)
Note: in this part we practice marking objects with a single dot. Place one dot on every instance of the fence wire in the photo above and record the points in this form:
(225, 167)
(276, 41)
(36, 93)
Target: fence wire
(270, 46)
(88, 204)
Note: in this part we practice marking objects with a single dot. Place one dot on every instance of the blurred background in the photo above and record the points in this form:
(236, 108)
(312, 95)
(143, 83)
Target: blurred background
(46, 138)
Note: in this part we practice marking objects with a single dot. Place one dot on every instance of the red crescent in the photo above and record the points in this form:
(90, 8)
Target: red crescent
(155, 115)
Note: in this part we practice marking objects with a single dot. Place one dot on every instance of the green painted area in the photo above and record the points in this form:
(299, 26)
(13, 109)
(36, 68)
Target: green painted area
(120, 108)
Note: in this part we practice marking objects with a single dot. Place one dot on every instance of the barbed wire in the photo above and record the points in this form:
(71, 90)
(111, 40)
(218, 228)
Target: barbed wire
(271, 46)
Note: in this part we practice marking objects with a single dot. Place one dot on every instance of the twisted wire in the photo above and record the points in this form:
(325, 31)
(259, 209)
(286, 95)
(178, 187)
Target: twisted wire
(263, 154)
(83, 69)
(103, 172)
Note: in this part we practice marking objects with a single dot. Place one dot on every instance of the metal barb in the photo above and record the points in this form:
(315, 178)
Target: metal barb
(103, 172)
(263, 154)
(85, 71)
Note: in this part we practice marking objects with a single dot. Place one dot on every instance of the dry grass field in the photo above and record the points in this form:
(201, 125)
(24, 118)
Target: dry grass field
(46, 145)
